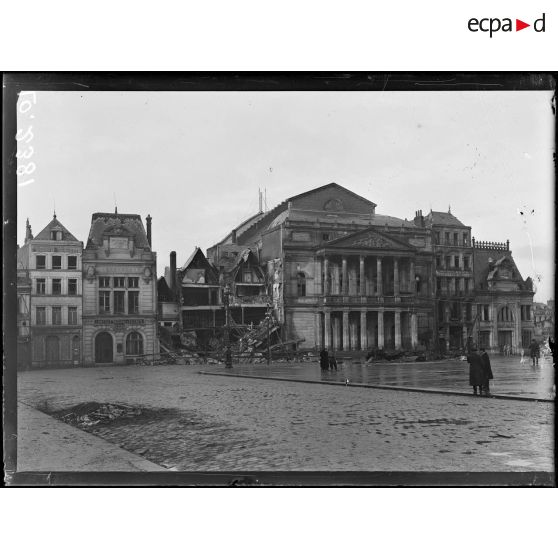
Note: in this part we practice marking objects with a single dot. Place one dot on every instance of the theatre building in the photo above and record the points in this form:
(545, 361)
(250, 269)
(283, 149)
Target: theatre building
(50, 293)
(339, 274)
(119, 291)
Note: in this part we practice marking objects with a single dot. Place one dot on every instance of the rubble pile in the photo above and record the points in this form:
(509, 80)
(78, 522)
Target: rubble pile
(92, 413)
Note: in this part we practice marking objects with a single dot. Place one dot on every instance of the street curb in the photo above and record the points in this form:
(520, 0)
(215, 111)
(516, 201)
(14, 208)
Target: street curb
(379, 386)
(118, 454)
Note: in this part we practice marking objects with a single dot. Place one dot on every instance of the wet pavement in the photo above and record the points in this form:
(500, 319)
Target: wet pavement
(201, 422)
(511, 377)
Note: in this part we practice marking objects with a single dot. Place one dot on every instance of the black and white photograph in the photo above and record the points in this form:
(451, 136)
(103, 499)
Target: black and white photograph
(258, 280)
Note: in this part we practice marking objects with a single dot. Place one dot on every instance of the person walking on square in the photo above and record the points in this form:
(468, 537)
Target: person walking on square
(332, 362)
(487, 369)
(534, 352)
(324, 360)
(476, 371)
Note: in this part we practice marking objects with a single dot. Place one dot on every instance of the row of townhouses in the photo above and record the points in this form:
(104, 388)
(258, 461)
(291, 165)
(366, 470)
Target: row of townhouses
(324, 265)
(87, 305)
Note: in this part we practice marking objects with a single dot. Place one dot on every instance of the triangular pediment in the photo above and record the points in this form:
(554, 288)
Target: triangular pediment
(332, 198)
(369, 239)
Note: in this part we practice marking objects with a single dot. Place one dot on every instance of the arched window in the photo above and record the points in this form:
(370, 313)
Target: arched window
(300, 284)
(134, 343)
(505, 314)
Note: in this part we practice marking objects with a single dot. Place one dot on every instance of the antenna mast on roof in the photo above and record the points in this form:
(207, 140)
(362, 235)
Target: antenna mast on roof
(54, 207)
(265, 198)
(115, 206)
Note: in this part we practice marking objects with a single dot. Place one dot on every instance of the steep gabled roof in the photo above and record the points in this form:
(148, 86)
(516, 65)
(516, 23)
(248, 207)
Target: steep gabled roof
(55, 225)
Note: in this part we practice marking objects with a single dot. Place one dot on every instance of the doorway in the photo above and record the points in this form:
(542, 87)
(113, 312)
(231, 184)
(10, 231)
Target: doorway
(103, 347)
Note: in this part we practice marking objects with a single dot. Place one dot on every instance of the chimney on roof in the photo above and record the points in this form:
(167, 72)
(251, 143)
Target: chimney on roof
(148, 221)
(233, 236)
(508, 245)
(172, 284)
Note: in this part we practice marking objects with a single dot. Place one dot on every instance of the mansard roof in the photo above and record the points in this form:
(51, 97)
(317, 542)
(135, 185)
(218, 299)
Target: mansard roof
(117, 224)
(444, 219)
(56, 225)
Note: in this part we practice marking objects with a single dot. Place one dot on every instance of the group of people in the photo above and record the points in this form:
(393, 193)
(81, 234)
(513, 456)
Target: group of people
(480, 371)
(327, 361)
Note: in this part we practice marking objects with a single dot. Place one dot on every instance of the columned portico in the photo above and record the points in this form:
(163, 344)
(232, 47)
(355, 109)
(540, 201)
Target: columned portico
(396, 276)
(327, 329)
(414, 332)
(327, 282)
(344, 276)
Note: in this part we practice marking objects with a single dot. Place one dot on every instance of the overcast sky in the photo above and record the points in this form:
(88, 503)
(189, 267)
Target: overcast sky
(195, 161)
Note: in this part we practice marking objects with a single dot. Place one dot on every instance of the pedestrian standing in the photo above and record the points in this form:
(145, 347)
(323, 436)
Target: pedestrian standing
(487, 370)
(332, 362)
(476, 371)
(324, 360)
(522, 356)
(534, 352)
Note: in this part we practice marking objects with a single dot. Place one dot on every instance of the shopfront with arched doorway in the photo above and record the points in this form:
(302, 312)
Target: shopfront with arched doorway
(104, 348)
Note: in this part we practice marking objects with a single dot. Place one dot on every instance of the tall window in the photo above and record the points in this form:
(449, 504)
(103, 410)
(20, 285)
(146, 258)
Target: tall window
(104, 302)
(41, 262)
(456, 261)
(56, 286)
(505, 314)
(104, 282)
(56, 262)
(72, 315)
(40, 286)
(465, 239)
(56, 315)
(134, 343)
(119, 282)
(455, 239)
(133, 302)
(485, 312)
(447, 236)
(133, 282)
(72, 262)
(466, 262)
(72, 287)
(437, 238)
(119, 302)
(41, 315)
(300, 284)
(439, 284)
(448, 262)
(438, 261)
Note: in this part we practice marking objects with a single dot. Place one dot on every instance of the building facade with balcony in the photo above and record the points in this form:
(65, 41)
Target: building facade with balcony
(23, 318)
(454, 287)
(340, 275)
(504, 301)
(119, 291)
(50, 279)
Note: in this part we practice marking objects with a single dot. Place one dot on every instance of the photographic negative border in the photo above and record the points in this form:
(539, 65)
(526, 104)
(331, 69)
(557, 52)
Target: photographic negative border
(14, 83)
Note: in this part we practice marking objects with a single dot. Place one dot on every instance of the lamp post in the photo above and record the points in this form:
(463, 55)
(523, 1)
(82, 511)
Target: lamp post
(227, 337)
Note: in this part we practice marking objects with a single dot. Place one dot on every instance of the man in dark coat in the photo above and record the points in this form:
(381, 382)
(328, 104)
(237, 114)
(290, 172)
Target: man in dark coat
(332, 362)
(535, 352)
(476, 371)
(487, 369)
(324, 360)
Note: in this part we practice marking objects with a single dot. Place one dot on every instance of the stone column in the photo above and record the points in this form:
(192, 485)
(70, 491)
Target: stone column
(346, 344)
(327, 329)
(380, 329)
(326, 286)
(362, 278)
(396, 276)
(397, 329)
(363, 333)
(412, 282)
(318, 330)
(414, 331)
(494, 317)
(345, 276)
(447, 335)
(379, 279)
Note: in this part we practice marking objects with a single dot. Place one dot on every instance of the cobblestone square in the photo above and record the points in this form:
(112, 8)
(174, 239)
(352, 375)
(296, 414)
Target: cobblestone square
(203, 422)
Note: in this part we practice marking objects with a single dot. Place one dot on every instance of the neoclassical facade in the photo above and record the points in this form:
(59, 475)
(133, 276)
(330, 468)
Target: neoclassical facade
(342, 276)
(504, 301)
(119, 291)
